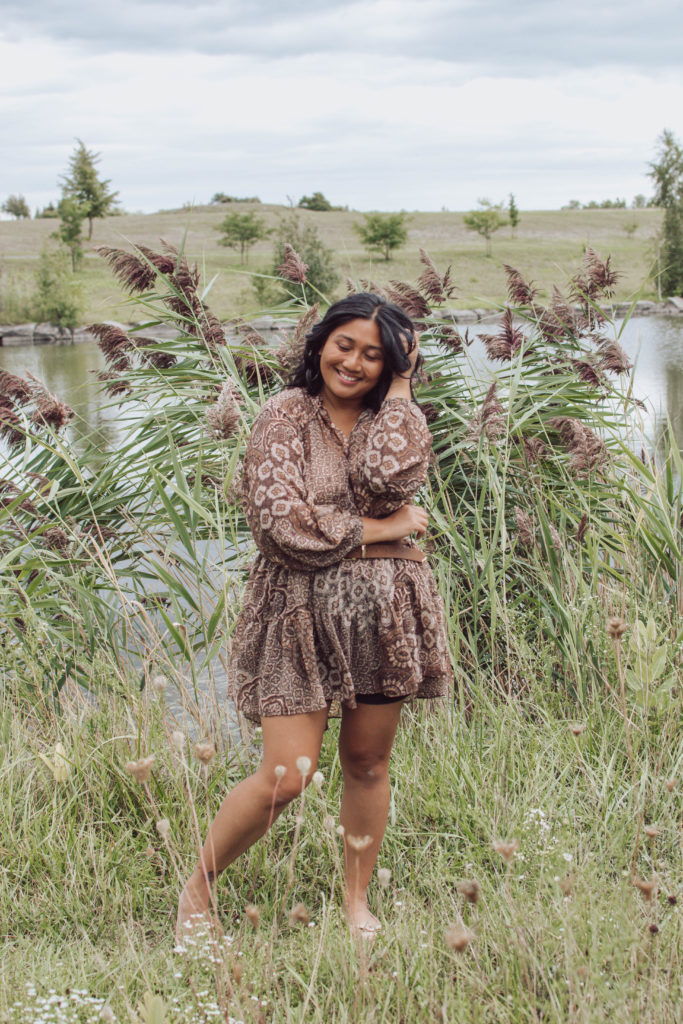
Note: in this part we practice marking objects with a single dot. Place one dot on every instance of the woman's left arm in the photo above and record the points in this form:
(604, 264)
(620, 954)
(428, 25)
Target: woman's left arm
(395, 459)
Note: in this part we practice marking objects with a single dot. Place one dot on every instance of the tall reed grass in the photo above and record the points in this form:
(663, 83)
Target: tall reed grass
(532, 864)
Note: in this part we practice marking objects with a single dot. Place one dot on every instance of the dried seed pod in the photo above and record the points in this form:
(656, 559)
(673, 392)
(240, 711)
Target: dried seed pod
(458, 937)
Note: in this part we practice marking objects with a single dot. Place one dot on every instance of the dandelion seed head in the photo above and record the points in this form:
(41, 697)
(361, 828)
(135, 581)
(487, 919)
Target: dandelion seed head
(340, 830)
(469, 888)
(652, 831)
(298, 914)
(205, 752)
(252, 914)
(616, 627)
(178, 740)
(303, 765)
(458, 937)
(328, 823)
(384, 877)
(280, 771)
(506, 848)
(140, 769)
(318, 780)
(164, 828)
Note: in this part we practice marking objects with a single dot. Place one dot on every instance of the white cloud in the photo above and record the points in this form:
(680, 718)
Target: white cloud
(368, 116)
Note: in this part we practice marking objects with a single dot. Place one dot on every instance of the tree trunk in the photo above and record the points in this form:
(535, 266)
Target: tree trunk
(89, 228)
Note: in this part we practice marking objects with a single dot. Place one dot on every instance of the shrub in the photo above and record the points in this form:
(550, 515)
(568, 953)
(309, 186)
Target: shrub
(58, 296)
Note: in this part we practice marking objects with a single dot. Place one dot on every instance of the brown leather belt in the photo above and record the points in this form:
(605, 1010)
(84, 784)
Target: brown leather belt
(394, 550)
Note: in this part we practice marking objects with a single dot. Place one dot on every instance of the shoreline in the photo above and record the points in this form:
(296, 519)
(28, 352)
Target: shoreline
(16, 335)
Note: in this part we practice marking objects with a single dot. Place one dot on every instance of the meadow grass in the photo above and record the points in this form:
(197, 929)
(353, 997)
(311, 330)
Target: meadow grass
(546, 247)
(560, 932)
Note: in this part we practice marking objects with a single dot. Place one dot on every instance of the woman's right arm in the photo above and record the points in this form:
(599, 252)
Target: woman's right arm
(406, 520)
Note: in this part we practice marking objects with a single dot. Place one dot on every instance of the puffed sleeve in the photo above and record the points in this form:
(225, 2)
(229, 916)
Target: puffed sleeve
(395, 458)
(287, 526)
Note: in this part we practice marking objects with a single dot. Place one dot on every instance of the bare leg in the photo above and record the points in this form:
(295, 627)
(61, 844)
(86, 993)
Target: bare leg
(249, 808)
(365, 742)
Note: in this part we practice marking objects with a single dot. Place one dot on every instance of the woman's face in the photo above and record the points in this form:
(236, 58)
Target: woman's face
(351, 361)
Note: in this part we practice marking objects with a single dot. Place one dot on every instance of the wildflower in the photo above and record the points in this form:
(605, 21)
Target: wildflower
(616, 627)
(223, 417)
(253, 914)
(651, 831)
(670, 785)
(298, 914)
(164, 828)
(280, 771)
(359, 843)
(159, 683)
(328, 823)
(107, 1014)
(140, 769)
(384, 877)
(672, 900)
(340, 830)
(458, 937)
(469, 888)
(507, 849)
(567, 884)
(318, 780)
(303, 765)
(649, 888)
(292, 267)
(576, 728)
(653, 928)
(205, 752)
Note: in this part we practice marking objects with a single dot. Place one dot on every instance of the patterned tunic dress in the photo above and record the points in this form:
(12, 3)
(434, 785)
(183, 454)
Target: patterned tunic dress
(316, 628)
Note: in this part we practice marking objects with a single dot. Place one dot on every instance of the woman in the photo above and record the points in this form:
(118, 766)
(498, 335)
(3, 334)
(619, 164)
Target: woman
(340, 607)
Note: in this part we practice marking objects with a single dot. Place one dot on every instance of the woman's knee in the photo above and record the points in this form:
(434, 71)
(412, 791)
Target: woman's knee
(285, 783)
(368, 767)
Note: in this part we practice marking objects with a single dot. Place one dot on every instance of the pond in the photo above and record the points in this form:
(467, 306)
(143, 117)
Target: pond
(654, 344)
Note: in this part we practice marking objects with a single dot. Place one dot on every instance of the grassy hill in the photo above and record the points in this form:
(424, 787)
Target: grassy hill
(547, 247)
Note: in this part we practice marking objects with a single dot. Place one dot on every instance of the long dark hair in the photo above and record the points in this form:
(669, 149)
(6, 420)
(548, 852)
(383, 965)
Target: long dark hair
(395, 331)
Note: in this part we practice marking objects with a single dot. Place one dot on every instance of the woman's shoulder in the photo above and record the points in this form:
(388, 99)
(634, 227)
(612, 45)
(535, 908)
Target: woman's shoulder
(291, 403)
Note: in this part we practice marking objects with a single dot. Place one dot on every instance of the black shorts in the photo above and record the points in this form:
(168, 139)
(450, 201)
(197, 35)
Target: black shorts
(376, 698)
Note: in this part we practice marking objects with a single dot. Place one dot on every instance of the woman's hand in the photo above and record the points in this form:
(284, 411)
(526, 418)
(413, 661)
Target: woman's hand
(406, 520)
(400, 384)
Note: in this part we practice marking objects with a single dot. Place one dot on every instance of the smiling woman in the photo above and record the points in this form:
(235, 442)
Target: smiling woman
(341, 609)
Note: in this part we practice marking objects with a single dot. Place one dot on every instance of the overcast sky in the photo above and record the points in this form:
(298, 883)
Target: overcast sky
(382, 104)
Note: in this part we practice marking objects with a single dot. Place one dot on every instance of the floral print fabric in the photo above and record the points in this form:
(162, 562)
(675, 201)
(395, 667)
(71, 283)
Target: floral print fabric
(316, 628)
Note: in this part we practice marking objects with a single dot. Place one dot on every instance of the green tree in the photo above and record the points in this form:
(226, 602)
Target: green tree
(316, 202)
(487, 219)
(513, 214)
(72, 215)
(58, 297)
(667, 174)
(241, 231)
(322, 276)
(48, 212)
(83, 185)
(17, 207)
(383, 232)
(639, 202)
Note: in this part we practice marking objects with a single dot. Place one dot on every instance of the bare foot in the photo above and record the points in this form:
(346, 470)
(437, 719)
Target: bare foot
(362, 922)
(193, 915)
